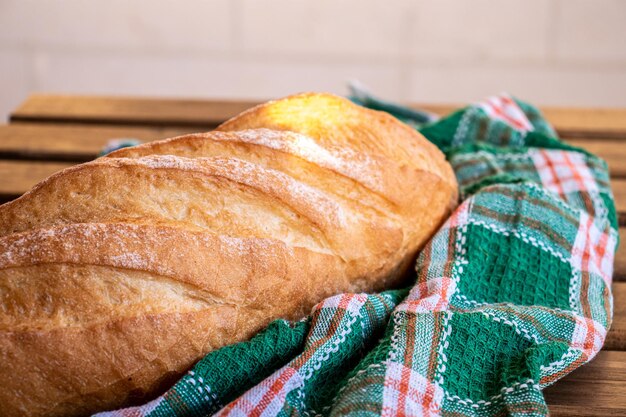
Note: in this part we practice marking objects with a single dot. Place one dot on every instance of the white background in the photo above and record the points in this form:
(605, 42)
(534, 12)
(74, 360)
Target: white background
(551, 52)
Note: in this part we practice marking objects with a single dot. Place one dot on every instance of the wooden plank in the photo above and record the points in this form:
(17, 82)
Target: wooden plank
(618, 185)
(616, 338)
(128, 110)
(19, 176)
(595, 389)
(580, 122)
(81, 143)
(620, 257)
(570, 122)
(70, 142)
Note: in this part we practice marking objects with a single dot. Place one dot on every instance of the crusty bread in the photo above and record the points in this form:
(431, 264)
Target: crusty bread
(118, 274)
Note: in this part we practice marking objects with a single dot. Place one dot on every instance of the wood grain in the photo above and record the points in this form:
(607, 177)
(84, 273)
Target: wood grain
(620, 258)
(616, 338)
(581, 122)
(71, 142)
(595, 389)
(570, 122)
(60, 144)
(20, 176)
(596, 123)
(77, 143)
(128, 110)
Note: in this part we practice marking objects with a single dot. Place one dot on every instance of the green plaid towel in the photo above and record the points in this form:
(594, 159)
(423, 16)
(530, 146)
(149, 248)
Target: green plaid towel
(510, 295)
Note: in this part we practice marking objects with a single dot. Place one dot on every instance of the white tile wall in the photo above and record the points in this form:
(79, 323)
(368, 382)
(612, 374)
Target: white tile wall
(117, 24)
(549, 86)
(205, 77)
(326, 27)
(478, 30)
(592, 30)
(15, 80)
(558, 52)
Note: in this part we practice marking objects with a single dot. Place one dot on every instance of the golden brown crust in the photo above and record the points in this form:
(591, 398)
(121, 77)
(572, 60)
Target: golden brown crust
(252, 280)
(111, 272)
(413, 172)
(360, 134)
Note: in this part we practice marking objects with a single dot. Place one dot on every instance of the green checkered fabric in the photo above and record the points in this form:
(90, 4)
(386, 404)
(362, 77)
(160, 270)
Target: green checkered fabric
(510, 295)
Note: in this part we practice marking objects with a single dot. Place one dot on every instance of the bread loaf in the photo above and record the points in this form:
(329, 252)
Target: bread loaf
(117, 275)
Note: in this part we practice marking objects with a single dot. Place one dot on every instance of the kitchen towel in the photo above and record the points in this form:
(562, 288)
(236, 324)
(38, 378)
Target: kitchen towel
(510, 295)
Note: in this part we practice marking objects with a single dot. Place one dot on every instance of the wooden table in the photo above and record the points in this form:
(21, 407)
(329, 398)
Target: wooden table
(50, 132)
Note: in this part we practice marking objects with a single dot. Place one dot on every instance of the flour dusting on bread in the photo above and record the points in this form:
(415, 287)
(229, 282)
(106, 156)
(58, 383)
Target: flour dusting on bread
(121, 272)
